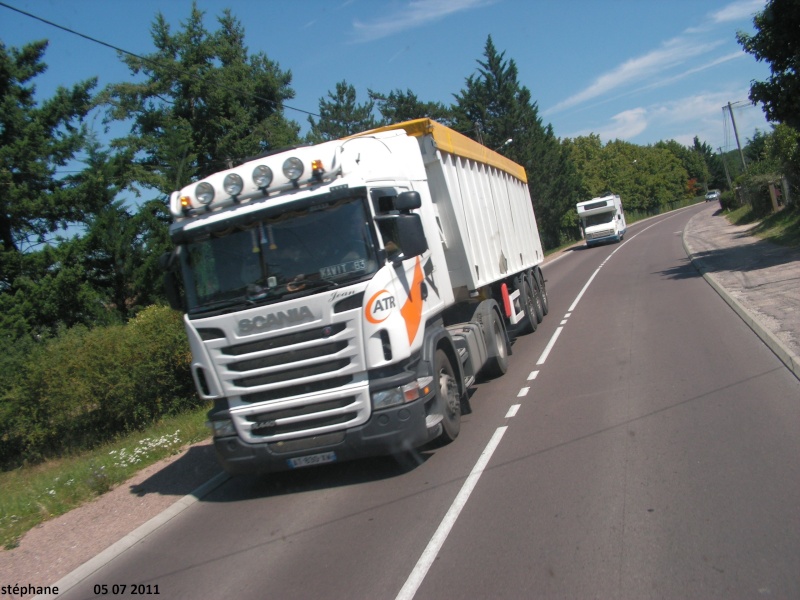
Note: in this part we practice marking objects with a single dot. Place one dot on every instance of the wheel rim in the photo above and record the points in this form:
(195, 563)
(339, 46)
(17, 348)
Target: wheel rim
(447, 391)
(499, 342)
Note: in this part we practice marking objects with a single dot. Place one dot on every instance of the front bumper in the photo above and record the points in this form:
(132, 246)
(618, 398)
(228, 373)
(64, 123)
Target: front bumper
(392, 431)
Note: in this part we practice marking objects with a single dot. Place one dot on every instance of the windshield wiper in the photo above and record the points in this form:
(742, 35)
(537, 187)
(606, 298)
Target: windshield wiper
(316, 284)
(220, 305)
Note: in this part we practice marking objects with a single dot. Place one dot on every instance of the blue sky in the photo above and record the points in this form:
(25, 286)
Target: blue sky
(636, 70)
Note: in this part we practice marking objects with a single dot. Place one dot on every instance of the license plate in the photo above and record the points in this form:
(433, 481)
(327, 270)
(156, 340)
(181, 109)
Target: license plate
(311, 460)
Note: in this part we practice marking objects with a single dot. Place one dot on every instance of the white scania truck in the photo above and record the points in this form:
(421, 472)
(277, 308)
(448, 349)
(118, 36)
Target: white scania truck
(602, 220)
(341, 298)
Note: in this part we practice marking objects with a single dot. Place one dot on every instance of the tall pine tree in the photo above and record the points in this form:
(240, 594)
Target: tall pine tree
(340, 115)
(493, 108)
(204, 102)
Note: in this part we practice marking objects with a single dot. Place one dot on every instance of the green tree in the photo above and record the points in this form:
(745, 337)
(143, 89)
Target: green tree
(50, 292)
(586, 154)
(777, 42)
(119, 248)
(341, 115)
(646, 178)
(693, 162)
(716, 168)
(494, 108)
(784, 147)
(41, 285)
(34, 141)
(401, 106)
(204, 103)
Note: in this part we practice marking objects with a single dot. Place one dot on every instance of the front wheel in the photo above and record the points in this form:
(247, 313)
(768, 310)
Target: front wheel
(447, 398)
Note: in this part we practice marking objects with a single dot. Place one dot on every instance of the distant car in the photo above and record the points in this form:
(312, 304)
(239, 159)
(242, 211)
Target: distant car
(712, 195)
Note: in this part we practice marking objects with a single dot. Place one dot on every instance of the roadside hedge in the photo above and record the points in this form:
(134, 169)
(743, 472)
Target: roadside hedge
(88, 386)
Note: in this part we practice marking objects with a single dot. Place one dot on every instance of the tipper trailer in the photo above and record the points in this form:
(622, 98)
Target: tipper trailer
(341, 298)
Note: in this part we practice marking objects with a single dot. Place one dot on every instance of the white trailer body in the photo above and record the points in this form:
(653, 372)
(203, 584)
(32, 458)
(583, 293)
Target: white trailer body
(602, 220)
(341, 298)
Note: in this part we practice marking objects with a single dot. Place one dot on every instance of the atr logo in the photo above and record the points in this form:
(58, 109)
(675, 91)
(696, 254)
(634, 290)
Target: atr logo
(379, 307)
(276, 320)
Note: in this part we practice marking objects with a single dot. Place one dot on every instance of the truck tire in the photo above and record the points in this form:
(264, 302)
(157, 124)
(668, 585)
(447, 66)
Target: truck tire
(543, 291)
(537, 294)
(496, 347)
(528, 299)
(447, 399)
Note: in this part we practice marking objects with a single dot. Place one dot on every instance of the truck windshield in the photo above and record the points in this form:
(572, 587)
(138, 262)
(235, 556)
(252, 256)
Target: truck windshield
(325, 245)
(601, 219)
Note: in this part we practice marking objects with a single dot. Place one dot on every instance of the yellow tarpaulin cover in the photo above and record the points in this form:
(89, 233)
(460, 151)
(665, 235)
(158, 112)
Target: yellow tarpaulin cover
(448, 140)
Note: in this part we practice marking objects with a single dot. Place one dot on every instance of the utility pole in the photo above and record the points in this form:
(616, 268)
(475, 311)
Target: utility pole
(736, 134)
(725, 166)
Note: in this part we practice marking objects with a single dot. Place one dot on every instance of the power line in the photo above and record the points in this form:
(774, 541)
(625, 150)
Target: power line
(141, 58)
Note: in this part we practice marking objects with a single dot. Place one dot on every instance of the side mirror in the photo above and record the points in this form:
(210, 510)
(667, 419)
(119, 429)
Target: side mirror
(166, 260)
(406, 201)
(411, 236)
(172, 290)
(172, 284)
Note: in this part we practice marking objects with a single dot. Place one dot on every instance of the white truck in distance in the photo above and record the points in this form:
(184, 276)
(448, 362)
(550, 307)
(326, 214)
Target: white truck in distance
(341, 298)
(602, 220)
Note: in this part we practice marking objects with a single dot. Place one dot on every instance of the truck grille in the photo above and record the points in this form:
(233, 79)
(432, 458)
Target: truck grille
(322, 414)
(600, 234)
(309, 382)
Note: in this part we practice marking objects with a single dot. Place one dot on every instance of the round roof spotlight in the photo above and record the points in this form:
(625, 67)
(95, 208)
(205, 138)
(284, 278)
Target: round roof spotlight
(233, 184)
(262, 176)
(204, 192)
(293, 168)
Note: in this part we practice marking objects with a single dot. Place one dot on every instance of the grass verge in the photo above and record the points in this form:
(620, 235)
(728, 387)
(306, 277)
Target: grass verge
(31, 495)
(782, 227)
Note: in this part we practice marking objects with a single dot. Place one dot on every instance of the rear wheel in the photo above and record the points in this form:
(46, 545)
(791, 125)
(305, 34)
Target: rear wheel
(543, 294)
(537, 294)
(447, 399)
(497, 363)
(528, 299)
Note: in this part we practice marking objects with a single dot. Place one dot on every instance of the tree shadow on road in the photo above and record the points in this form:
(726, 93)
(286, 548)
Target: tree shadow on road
(685, 270)
(752, 256)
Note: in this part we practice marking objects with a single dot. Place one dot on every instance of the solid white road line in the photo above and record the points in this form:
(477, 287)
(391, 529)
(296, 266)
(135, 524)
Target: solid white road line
(437, 541)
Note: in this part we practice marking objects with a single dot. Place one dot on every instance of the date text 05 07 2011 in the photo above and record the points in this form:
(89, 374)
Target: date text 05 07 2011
(134, 589)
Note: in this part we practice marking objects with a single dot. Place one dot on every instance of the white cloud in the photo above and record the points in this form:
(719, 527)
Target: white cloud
(625, 125)
(738, 11)
(671, 54)
(416, 13)
(699, 115)
(683, 74)
(658, 67)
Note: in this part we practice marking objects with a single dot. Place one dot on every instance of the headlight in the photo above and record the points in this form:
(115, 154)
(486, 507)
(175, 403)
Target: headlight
(222, 428)
(397, 395)
(293, 168)
(204, 192)
(262, 176)
(233, 184)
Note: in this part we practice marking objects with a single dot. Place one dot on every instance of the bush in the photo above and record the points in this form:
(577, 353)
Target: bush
(728, 201)
(86, 387)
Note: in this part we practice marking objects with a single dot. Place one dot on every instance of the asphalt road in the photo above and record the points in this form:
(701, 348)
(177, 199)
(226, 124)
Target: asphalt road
(644, 444)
